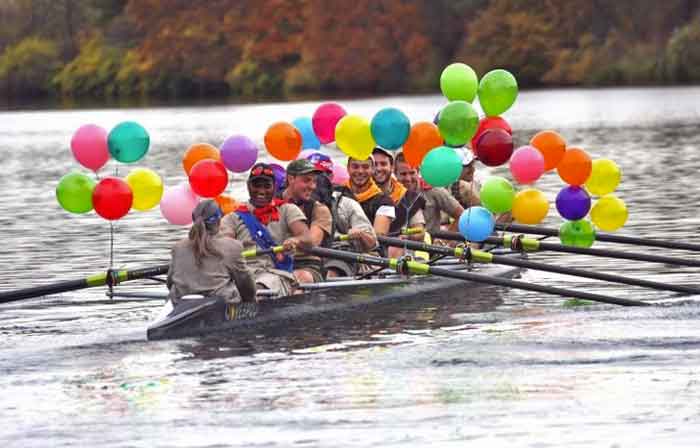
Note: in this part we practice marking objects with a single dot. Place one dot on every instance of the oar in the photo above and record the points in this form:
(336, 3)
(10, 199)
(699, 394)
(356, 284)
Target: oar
(532, 245)
(479, 256)
(536, 230)
(408, 231)
(422, 268)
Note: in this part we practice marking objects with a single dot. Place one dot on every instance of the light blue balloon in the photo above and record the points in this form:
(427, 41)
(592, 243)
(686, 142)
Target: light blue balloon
(308, 136)
(390, 128)
(476, 224)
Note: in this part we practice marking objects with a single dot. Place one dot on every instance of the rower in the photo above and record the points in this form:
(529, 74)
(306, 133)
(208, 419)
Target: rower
(437, 200)
(264, 222)
(208, 263)
(301, 183)
(466, 188)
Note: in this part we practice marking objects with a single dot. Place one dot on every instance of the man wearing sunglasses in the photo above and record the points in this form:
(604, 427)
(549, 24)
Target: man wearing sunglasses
(265, 221)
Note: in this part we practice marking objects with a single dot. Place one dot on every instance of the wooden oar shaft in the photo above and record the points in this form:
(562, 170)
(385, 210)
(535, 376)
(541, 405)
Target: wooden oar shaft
(87, 282)
(421, 268)
(601, 236)
(486, 257)
(529, 244)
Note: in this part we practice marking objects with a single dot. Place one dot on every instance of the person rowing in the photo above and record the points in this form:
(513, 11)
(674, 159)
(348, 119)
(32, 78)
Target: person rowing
(466, 188)
(300, 186)
(264, 222)
(207, 263)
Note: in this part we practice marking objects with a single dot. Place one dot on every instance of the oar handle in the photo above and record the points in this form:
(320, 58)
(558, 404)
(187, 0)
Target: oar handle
(257, 252)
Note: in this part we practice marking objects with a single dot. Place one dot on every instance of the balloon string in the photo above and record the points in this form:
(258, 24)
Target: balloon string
(111, 244)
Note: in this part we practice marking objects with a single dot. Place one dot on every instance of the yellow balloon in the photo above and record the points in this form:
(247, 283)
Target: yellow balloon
(147, 187)
(530, 206)
(354, 137)
(609, 213)
(605, 177)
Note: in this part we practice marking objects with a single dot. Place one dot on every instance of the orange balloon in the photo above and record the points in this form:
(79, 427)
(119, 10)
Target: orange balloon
(226, 203)
(197, 152)
(283, 141)
(575, 167)
(423, 137)
(551, 145)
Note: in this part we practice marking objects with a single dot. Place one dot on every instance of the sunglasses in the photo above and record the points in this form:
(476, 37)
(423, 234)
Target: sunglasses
(262, 171)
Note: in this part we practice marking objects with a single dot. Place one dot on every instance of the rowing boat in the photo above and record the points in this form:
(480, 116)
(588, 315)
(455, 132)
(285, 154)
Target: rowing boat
(203, 315)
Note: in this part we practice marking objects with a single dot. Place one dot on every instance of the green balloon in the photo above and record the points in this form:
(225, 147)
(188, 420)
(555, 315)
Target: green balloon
(579, 233)
(497, 195)
(441, 166)
(498, 90)
(74, 192)
(459, 82)
(128, 142)
(457, 123)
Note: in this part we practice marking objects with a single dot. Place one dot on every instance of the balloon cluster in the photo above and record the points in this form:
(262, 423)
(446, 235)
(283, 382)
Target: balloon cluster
(111, 197)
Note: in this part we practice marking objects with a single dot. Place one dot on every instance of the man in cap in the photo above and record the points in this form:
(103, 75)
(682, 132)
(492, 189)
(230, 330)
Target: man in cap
(265, 221)
(466, 189)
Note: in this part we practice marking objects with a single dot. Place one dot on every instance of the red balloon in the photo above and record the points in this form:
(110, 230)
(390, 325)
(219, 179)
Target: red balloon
(112, 198)
(490, 123)
(208, 178)
(494, 147)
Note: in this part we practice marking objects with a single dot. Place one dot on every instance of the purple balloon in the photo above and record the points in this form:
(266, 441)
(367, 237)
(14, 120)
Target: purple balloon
(573, 203)
(239, 153)
(280, 175)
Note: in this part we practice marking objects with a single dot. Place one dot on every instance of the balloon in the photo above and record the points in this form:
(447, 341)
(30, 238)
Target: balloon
(112, 198)
(197, 152)
(551, 145)
(458, 123)
(74, 192)
(530, 206)
(239, 153)
(605, 177)
(280, 175)
(526, 165)
(490, 123)
(609, 213)
(390, 128)
(441, 167)
(423, 137)
(128, 142)
(575, 166)
(147, 187)
(354, 137)
(498, 90)
(283, 141)
(458, 82)
(579, 233)
(208, 178)
(177, 204)
(226, 203)
(494, 147)
(306, 153)
(497, 194)
(340, 174)
(306, 129)
(89, 146)
(476, 224)
(325, 120)
(573, 203)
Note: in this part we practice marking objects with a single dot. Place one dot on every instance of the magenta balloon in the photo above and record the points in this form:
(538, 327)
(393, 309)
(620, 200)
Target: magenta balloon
(177, 205)
(280, 175)
(89, 146)
(340, 174)
(238, 153)
(494, 147)
(324, 120)
(526, 164)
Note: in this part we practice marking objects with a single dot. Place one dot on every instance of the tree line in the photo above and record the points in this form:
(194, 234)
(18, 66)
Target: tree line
(276, 48)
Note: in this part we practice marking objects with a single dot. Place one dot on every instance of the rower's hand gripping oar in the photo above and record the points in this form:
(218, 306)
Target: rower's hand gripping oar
(421, 268)
(408, 231)
(478, 256)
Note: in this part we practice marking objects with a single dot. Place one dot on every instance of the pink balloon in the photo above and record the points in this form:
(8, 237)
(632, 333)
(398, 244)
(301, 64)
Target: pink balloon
(340, 174)
(324, 120)
(89, 146)
(306, 153)
(177, 204)
(526, 164)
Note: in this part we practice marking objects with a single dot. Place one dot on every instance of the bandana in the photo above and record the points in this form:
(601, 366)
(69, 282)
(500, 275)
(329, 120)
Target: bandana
(369, 193)
(266, 214)
(397, 190)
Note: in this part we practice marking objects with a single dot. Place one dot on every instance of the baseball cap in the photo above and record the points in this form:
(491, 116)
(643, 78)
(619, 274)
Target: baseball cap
(301, 166)
(261, 171)
(466, 155)
(321, 162)
(380, 150)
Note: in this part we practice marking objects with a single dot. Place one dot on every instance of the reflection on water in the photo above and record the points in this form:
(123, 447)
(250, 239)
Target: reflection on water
(503, 366)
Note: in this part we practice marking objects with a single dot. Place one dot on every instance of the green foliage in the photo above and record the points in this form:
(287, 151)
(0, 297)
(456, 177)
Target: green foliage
(27, 67)
(249, 79)
(92, 72)
(683, 54)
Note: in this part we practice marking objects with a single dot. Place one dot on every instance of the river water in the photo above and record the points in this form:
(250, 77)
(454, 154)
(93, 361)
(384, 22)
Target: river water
(498, 368)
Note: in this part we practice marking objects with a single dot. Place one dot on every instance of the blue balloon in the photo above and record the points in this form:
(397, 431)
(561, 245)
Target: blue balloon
(308, 136)
(390, 128)
(476, 224)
